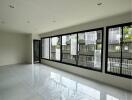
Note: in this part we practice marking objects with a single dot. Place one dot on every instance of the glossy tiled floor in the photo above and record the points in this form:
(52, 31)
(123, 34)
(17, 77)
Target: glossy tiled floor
(40, 82)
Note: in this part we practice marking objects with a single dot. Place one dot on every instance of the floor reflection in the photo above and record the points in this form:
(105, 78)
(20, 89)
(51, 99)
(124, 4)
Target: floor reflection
(72, 90)
(40, 82)
(59, 86)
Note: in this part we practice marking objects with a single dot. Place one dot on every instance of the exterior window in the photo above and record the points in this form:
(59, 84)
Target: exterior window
(127, 51)
(45, 48)
(90, 49)
(69, 48)
(55, 48)
(83, 49)
(119, 57)
(114, 49)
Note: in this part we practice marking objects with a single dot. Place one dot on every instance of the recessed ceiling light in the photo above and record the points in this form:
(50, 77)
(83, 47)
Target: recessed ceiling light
(11, 6)
(54, 21)
(100, 3)
(28, 21)
(2, 22)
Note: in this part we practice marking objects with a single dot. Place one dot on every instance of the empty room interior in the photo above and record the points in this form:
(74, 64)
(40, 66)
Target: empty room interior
(65, 49)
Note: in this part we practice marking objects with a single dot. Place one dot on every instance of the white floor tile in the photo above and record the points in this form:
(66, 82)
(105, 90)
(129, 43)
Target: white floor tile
(40, 82)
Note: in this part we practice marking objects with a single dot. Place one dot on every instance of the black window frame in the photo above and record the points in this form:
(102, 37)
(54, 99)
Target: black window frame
(50, 48)
(76, 65)
(61, 49)
(106, 50)
(96, 29)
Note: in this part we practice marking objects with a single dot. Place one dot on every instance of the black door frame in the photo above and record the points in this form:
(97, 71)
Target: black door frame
(39, 50)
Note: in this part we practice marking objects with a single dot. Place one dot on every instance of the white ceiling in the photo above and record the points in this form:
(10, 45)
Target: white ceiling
(39, 16)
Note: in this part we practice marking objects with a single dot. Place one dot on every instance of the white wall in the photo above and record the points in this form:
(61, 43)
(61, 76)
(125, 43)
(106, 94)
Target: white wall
(29, 48)
(14, 48)
(119, 82)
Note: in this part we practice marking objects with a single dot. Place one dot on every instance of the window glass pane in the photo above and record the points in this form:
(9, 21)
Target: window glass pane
(114, 49)
(127, 50)
(89, 49)
(45, 48)
(109, 97)
(69, 48)
(55, 45)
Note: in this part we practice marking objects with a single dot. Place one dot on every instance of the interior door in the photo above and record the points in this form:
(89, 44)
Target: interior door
(36, 48)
